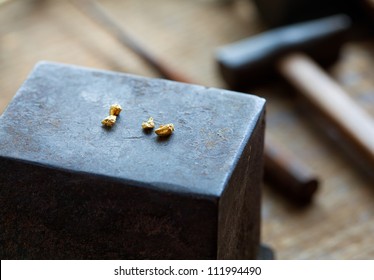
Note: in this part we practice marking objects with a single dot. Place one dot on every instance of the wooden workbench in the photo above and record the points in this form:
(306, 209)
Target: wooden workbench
(340, 222)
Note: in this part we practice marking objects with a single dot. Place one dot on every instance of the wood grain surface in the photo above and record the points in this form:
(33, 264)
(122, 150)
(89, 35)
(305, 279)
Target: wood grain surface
(339, 224)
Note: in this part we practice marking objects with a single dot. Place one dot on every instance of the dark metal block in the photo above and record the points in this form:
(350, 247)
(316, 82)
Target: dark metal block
(70, 188)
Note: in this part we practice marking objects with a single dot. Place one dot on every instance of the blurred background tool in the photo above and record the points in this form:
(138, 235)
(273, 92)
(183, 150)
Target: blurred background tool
(94, 10)
(298, 184)
(340, 223)
(288, 175)
(254, 60)
(286, 50)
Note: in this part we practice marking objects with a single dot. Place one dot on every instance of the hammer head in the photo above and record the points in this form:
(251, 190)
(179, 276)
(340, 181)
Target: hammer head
(251, 61)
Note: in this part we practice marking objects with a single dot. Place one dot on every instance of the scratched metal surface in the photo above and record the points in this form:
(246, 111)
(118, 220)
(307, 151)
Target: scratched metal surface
(59, 101)
(340, 222)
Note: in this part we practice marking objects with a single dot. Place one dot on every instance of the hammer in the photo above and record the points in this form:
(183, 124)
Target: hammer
(281, 50)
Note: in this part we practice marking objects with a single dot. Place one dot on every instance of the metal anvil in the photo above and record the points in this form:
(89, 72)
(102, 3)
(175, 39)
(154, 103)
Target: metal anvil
(73, 189)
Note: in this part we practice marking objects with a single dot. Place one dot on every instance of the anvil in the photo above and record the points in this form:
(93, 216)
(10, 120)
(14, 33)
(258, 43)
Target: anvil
(73, 189)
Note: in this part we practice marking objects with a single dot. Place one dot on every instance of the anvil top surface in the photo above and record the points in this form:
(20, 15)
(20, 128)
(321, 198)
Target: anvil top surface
(55, 120)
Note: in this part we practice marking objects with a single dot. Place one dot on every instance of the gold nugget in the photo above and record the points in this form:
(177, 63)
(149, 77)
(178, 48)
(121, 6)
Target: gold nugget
(148, 124)
(165, 130)
(109, 121)
(115, 109)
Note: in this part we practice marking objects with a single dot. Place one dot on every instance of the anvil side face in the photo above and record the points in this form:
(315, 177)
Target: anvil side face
(73, 189)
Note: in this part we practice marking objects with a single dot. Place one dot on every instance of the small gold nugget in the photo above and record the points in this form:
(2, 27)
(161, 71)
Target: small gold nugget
(148, 124)
(115, 109)
(109, 121)
(165, 130)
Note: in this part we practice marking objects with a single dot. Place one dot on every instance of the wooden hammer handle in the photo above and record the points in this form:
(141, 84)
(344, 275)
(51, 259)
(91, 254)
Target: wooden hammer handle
(331, 100)
(288, 174)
